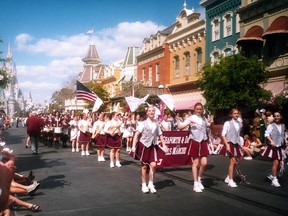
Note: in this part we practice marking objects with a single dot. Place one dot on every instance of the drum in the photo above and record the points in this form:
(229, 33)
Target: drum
(57, 130)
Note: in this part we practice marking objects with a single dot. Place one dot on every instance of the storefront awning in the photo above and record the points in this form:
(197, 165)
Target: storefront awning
(185, 105)
(254, 33)
(187, 100)
(275, 87)
(278, 26)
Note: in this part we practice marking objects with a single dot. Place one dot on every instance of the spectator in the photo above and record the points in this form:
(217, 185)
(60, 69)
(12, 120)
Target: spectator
(5, 181)
(9, 162)
(247, 148)
(269, 117)
(256, 144)
(216, 143)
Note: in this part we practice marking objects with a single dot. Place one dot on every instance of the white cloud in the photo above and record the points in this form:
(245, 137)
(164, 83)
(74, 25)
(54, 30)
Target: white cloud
(64, 54)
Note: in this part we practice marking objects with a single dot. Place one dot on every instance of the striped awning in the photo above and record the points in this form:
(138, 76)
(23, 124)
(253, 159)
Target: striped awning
(278, 26)
(254, 33)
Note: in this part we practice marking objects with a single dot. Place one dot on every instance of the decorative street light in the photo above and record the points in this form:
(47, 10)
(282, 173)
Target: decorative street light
(161, 89)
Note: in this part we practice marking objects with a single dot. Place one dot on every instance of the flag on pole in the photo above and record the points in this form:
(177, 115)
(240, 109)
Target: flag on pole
(83, 93)
(134, 102)
(167, 100)
(98, 103)
(90, 32)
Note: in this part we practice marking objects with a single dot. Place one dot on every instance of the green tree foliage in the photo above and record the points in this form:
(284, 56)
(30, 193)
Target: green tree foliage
(58, 97)
(4, 79)
(139, 89)
(234, 82)
(101, 93)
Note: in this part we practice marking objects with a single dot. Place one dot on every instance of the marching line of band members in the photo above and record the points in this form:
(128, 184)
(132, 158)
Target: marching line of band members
(110, 129)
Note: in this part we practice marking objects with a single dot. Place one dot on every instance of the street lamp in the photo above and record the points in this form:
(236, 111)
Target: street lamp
(161, 89)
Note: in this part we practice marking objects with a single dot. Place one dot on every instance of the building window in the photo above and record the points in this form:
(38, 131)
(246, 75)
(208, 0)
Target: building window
(237, 23)
(227, 24)
(276, 45)
(215, 25)
(199, 59)
(150, 76)
(228, 52)
(157, 78)
(176, 66)
(215, 56)
(187, 63)
(143, 74)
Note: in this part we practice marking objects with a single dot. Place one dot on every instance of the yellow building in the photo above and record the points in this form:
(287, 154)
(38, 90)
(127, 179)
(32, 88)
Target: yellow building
(187, 57)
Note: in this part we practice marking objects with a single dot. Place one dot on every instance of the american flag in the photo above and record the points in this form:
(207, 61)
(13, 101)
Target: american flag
(83, 93)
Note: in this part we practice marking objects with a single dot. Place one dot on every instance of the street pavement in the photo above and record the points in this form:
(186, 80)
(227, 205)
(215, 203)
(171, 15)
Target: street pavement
(74, 185)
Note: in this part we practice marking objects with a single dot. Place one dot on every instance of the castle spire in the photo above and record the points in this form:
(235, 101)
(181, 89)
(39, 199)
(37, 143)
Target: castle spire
(9, 52)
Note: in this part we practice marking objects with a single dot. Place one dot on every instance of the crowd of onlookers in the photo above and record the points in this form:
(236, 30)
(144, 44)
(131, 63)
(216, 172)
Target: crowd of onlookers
(13, 186)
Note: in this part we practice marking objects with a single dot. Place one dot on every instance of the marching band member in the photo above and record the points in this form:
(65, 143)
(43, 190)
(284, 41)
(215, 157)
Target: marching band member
(57, 128)
(48, 124)
(275, 134)
(85, 135)
(231, 138)
(114, 140)
(128, 131)
(64, 137)
(73, 123)
(99, 136)
(198, 144)
(146, 149)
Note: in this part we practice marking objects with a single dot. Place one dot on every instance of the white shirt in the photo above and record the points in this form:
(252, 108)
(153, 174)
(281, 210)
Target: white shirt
(226, 126)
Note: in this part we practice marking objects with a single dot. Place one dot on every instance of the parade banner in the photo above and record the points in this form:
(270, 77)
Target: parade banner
(178, 143)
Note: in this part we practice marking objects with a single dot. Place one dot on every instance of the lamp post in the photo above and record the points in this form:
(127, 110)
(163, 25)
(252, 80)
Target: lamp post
(161, 89)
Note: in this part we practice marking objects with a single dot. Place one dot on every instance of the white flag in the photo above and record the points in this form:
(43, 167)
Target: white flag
(168, 100)
(98, 103)
(90, 32)
(143, 100)
(134, 102)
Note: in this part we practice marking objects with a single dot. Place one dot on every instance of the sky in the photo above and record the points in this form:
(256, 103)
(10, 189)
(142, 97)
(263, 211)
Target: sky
(48, 37)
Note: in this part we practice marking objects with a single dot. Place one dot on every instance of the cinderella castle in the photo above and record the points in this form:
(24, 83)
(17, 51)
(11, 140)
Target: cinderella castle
(12, 102)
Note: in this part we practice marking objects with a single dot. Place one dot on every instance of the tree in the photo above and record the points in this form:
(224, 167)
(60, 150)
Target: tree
(139, 89)
(58, 97)
(234, 82)
(101, 93)
(4, 79)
